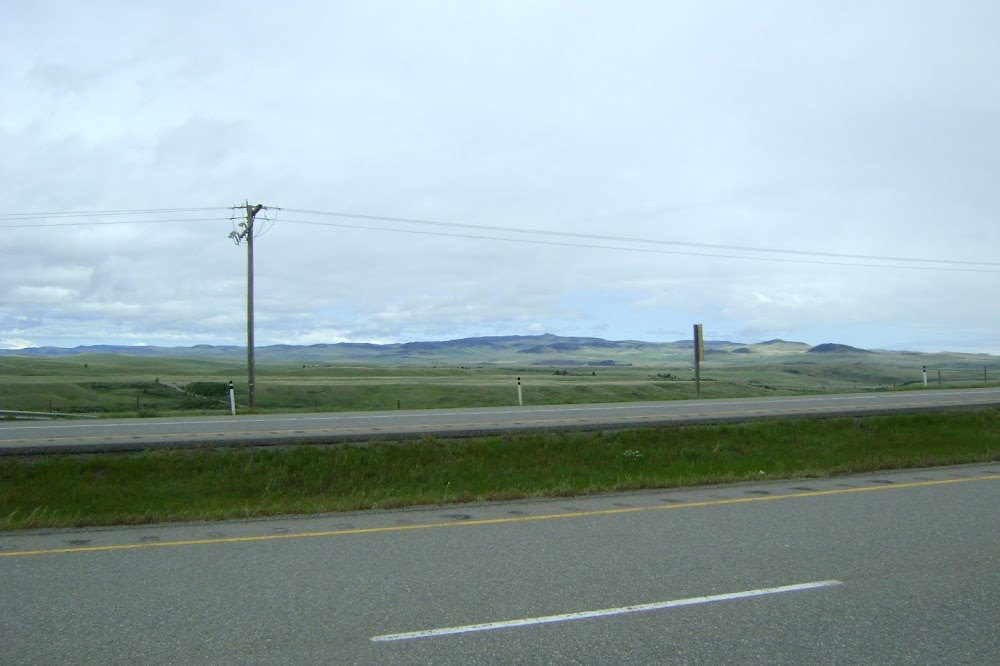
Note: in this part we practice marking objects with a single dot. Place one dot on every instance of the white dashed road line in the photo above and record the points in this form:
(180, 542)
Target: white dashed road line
(606, 612)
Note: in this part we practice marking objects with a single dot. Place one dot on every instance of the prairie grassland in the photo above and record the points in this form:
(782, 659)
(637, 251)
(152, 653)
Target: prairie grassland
(216, 484)
(118, 385)
(228, 483)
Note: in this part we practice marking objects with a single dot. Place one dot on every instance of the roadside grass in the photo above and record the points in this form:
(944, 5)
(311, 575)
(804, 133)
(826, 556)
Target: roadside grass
(216, 484)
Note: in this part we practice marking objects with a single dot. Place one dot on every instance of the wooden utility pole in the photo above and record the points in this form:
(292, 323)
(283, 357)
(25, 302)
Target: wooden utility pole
(247, 233)
(699, 356)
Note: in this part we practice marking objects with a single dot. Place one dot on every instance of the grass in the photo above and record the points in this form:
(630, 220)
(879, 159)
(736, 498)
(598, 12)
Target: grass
(120, 385)
(215, 484)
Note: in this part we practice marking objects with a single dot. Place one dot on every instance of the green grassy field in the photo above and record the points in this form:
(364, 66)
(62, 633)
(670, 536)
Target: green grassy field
(118, 385)
(215, 484)
(230, 483)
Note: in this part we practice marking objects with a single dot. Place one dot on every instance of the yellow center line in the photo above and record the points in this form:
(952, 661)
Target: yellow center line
(491, 521)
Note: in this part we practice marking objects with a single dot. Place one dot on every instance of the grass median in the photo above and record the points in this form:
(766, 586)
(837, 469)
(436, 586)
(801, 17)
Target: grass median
(217, 484)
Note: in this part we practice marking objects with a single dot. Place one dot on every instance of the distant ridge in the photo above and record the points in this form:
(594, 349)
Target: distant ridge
(513, 350)
(779, 346)
(528, 344)
(544, 349)
(831, 348)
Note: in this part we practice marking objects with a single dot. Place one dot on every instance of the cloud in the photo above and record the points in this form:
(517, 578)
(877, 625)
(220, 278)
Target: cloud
(857, 129)
(16, 343)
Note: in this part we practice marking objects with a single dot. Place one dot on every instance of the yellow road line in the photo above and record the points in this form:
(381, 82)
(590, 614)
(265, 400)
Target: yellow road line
(490, 521)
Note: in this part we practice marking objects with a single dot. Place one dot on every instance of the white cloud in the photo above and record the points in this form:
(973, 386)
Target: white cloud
(16, 343)
(864, 129)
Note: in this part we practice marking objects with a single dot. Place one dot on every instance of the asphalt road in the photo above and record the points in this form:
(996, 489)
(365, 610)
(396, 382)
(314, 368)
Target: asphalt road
(17, 437)
(894, 568)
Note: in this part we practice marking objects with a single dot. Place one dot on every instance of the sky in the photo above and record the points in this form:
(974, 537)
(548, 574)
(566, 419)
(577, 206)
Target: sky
(809, 171)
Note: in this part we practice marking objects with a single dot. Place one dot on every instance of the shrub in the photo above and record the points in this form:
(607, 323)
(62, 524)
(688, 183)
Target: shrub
(209, 389)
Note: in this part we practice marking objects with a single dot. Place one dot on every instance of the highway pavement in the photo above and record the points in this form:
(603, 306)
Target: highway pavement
(20, 437)
(888, 568)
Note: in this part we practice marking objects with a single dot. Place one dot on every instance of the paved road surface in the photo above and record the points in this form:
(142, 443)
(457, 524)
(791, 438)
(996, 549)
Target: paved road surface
(891, 568)
(131, 434)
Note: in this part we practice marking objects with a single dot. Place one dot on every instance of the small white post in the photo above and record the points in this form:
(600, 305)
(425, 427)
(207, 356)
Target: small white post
(520, 398)
(925, 375)
(232, 399)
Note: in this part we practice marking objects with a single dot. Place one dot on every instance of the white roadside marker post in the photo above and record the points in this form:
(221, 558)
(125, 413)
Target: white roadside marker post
(232, 399)
(520, 398)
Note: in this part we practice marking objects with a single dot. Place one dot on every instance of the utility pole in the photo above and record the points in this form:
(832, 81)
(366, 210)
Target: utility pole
(247, 233)
(699, 356)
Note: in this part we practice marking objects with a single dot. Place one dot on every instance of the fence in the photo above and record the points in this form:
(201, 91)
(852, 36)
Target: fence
(956, 377)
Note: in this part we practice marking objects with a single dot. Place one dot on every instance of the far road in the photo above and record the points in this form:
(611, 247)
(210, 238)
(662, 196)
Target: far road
(23, 437)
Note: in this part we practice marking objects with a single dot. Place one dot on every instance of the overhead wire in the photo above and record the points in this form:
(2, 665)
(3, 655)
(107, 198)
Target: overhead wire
(108, 213)
(36, 220)
(648, 250)
(860, 260)
(626, 239)
(269, 220)
(90, 223)
(943, 263)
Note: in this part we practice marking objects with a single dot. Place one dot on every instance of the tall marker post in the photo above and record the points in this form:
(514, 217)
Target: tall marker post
(699, 356)
(520, 398)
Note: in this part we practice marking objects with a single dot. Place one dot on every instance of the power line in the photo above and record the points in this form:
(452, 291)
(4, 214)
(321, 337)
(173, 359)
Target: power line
(92, 223)
(655, 251)
(625, 239)
(37, 220)
(107, 213)
(860, 260)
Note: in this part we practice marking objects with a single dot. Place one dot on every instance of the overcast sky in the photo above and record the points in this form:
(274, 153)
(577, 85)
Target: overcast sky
(795, 170)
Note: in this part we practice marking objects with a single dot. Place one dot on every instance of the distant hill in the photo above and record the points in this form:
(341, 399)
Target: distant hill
(831, 348)
(779, 347)
(541, 350)
(546, 349)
